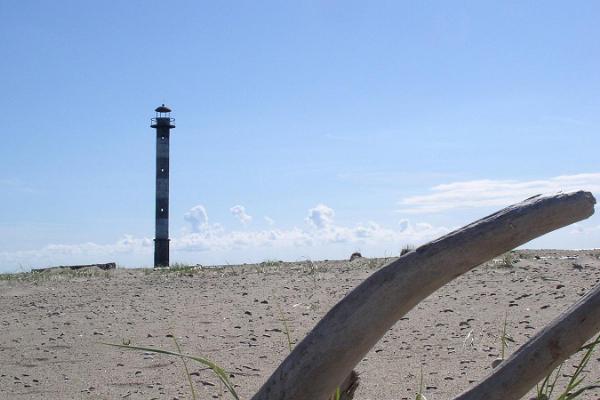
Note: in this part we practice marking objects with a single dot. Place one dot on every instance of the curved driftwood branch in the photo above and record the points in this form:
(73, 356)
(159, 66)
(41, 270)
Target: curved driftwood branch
(537, 358)
(350, 329)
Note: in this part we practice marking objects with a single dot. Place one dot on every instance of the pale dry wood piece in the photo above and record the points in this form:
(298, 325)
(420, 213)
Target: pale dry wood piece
(350, 329)
(104, 267)
(537, 358)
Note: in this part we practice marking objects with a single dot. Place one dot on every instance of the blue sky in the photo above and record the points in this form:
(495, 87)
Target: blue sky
(304, 129)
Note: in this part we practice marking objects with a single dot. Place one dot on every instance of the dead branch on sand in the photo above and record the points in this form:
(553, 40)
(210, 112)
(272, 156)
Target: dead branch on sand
(328, 354)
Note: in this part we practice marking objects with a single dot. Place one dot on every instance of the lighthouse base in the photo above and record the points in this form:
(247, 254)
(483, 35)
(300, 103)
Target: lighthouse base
(161, 253)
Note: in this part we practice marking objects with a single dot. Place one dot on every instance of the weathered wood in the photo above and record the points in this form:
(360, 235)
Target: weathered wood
(537, 358)
(350, 329)
(105, 267)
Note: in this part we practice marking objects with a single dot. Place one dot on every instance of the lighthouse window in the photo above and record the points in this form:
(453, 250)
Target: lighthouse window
(162, 210)
(162, 170)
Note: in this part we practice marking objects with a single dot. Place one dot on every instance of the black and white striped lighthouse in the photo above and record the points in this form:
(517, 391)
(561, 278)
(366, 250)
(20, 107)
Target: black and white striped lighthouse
(163, 124)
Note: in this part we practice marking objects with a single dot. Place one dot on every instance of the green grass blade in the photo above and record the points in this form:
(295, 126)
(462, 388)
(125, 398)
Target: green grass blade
(572, 389)
(187, 372)
(592, 344)
(286, 327)
(574, 395)
(218, 371)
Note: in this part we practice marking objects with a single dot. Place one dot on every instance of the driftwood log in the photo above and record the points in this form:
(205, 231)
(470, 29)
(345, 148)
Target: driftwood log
(328, 354)
(537, 358)
(104, 267)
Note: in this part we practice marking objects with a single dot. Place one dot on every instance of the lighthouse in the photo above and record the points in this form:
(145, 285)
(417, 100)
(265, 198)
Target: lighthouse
(163, 123)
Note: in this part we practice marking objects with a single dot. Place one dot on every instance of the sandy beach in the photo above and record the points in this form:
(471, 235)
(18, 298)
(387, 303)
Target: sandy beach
(52, 325)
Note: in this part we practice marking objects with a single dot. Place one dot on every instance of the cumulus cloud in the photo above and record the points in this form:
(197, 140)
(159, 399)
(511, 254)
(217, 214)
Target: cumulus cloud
(81, 253)
(493, 193)
(127, 244)
(376, 234)
(196, 217)
(320, 216)
(218, 239)
(240, 213)
(211, 238)
(221, 240)
(322, 231)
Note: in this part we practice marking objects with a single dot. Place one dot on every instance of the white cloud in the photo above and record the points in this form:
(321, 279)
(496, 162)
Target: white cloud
(240, 213)
(127, 244)
(226, 241)
(197, 217)
(323, 237)
(493, 193)
(320, 216)
(72, 254)
(211, 238)
(269, 220)
(218, 239)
